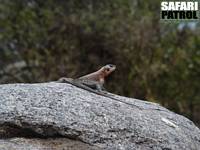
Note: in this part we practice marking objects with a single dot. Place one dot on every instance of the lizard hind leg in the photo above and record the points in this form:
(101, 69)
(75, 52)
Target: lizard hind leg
(65, 80)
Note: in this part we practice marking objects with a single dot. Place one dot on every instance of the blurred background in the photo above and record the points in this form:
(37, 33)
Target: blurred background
(157, 61)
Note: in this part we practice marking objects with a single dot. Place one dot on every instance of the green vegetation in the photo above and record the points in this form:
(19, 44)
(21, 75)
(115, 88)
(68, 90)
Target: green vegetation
(157, 61)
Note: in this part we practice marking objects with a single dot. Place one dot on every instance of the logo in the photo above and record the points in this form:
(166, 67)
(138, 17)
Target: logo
(179, 10)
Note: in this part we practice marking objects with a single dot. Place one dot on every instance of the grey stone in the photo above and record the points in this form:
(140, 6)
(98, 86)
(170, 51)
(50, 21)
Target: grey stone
(62, 113)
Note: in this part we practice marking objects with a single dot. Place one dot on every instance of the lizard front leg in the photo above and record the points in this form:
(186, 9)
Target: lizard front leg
(92, 84)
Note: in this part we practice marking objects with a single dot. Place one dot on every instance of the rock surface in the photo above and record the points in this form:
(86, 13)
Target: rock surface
(62, 116)
(44, 144)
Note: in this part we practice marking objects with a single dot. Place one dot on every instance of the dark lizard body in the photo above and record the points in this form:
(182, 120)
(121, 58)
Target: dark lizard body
(93, 82)
(92, 87)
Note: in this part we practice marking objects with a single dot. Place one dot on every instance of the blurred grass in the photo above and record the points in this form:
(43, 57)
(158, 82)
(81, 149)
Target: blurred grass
(156, 61)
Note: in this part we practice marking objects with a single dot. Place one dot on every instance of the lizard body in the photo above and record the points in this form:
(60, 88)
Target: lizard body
(99, 76)
(93, 82)
(79, 83)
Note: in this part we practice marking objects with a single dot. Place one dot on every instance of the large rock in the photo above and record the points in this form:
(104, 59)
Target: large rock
(72, 118)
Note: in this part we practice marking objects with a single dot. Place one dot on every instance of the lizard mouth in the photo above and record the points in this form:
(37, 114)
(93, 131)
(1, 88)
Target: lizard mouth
(112, 67)
(109, 68)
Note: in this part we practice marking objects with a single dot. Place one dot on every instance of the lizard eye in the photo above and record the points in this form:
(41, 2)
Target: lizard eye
(107, 69)
(111, 65)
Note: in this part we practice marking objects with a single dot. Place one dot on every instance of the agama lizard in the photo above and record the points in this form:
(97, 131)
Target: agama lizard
(93, 82)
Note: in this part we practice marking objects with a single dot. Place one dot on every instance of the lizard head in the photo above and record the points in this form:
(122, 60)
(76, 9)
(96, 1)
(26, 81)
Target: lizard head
(107, 69)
